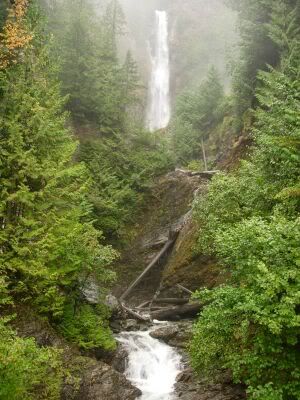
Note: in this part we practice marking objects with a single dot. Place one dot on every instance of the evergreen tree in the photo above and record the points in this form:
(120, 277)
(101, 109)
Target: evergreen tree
(131, 81)
(115, 22)
(257, 51)
(198, 111)
(48, 244)
(250, 221)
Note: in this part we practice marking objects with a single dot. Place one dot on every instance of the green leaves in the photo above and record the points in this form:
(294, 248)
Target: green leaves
(123, 168)
(48, 242)
(87, 327)
(198, 112)
(250, 220)
(27, 371)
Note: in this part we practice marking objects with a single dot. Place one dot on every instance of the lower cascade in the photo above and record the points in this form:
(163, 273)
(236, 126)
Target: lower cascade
(152, 365)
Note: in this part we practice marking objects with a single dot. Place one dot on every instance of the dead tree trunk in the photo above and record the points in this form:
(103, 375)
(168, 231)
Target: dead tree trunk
(171, 301)
(176, 313)
(133, 313)
(204, 154)
(163, 251)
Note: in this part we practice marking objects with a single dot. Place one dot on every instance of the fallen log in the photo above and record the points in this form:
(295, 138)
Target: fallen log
(145, 303)
(134, 314)
(177, 301)
(184, 289)
(176, 313)
(153, 308)
(205, 174)
(163, 251)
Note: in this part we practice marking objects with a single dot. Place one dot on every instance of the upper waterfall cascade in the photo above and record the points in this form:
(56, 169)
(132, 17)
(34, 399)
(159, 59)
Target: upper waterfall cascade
(159, 96)
(152, 365)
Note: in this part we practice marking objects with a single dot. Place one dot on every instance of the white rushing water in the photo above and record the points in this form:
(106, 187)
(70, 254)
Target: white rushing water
(152, 365)
(159, 97)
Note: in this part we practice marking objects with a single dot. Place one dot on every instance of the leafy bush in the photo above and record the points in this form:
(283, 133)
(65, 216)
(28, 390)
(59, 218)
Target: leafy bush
(250, 221)
(87, 326)
(27, 372)
(195, 165)
(123, 169)
(197, 113)
(253, 328)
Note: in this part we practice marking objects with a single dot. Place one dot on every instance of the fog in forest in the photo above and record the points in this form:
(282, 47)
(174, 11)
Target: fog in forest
(149, 199)
(201, 33)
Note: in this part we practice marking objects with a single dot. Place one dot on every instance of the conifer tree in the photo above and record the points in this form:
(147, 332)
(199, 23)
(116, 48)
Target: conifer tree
(198, 111)
(249, 220)
(48, 245)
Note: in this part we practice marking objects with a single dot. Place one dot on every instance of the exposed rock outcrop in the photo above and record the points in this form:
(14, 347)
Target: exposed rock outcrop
(175, 334)
(165, 333)
(103, 382)
(187, 267)
(189, 387)
(165, 211)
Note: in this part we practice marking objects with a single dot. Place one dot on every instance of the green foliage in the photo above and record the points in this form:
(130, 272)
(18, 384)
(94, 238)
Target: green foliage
(100, 89)
(195, 165)
(3, 12)
(27, 372)
(197, 113)
(257, 50)
(104, 102)
(47, 239)
(87, 326)
(253, 328)
(250, 221)
(123, 168)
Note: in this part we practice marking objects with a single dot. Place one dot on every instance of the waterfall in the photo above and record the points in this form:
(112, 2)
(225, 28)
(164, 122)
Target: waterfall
(159, 98)
(152, 365)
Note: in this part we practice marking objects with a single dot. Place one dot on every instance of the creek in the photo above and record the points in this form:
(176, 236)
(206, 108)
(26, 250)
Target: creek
(152, 365)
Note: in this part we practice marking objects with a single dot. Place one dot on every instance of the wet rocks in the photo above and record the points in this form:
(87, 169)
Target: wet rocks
(165, 333)
(188, 387)
(112, 303)
(183, 336)
(175, 334)
(130, 325)
(119, 362)
(103, 382)
(91, 291)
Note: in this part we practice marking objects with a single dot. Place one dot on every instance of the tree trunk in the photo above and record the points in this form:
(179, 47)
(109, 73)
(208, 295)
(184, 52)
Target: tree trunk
(176, 313)
(164, 250)
(204, 154)
(174, 301)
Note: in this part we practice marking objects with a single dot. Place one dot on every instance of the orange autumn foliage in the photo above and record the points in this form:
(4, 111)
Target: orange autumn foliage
(15, 35)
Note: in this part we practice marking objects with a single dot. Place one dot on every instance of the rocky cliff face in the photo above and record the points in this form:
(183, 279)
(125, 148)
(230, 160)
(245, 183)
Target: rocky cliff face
(169, 206)
(188, 268)
(168, 203)
(85, 378)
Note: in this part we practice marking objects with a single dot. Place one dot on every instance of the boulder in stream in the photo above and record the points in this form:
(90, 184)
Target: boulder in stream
(191, 387)
(102, 382)
(165, 333)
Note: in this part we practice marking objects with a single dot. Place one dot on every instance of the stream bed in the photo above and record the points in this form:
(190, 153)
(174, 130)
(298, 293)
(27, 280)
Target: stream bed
(152, 365)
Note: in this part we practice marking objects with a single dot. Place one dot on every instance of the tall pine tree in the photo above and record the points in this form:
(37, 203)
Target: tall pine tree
(48, 245)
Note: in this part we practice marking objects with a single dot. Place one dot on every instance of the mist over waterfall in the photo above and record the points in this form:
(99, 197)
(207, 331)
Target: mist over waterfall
(159, 97)
(152, 365)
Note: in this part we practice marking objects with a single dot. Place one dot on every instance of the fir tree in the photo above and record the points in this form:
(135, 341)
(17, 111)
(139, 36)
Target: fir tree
(198, 111)
(48, 244)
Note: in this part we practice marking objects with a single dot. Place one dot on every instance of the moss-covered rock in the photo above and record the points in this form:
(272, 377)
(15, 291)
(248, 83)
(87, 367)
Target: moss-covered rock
(170, 199)
(189, 268)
